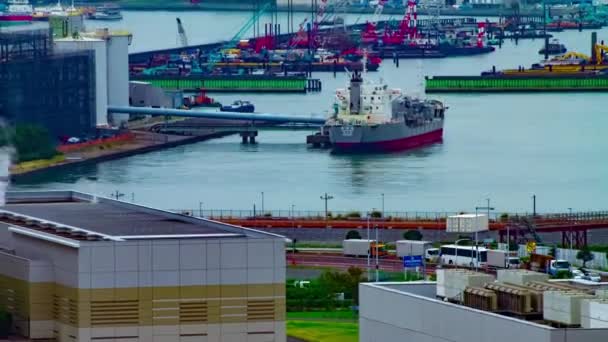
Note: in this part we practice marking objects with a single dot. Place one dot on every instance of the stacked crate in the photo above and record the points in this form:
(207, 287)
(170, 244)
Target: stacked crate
(564, 307)
(520, 277)
(513, 299)
(480, 298)
(451, 283)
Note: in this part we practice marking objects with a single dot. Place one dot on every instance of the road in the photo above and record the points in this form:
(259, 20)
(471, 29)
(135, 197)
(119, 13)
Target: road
(341, 262)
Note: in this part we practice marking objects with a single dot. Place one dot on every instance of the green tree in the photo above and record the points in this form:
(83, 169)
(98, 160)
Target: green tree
(353, 234)
(412, 235)
(585, 255)
(32, 142)
(376, 214)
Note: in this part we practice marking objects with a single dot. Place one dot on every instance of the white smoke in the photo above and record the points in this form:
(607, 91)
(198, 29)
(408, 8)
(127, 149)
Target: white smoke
(5, 163)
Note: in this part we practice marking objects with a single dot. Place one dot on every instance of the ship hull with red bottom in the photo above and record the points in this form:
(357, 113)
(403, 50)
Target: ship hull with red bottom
(384, 138)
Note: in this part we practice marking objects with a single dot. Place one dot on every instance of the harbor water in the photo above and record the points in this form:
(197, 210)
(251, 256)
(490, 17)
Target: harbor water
(505, 147)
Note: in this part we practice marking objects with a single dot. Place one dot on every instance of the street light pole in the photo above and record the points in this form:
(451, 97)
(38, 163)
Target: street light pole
(488, 208)
(326, 198)
(263, 203)
(368, 248)
(377, 266)
(570, 220)
(383, 206)
(200, 209)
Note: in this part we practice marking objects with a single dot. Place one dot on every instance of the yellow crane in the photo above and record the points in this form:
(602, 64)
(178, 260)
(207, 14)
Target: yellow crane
(600, 50)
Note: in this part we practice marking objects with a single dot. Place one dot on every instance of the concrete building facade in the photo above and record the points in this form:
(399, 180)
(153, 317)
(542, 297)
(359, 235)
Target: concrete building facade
(410, 312)
(78, 268)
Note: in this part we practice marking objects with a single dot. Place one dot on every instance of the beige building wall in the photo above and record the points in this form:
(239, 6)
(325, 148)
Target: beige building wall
(147, 290)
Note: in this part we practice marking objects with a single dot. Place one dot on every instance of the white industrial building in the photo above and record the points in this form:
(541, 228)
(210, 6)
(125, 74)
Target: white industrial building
(412, 312)
(111, 69)
(74, 267)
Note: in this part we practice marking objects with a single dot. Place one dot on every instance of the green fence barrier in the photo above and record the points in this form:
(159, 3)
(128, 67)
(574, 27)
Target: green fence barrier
(279, 84)
(520, 84)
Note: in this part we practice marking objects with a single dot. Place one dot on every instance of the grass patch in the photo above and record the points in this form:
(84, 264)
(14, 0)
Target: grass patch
(323, 315)
(323, 331)
(37, 164)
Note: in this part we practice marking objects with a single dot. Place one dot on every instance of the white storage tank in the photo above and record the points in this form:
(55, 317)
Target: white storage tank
(451, 283)
(101, 70)
(118, 69)
(594, 313)
(520, 277)
(563, 306)
(467, 223)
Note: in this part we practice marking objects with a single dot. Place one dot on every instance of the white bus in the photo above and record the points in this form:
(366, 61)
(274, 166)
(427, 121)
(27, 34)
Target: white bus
(463, 255)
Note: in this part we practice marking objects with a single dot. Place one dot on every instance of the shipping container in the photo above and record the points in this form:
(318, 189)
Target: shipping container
(412, 247)
(467, 223)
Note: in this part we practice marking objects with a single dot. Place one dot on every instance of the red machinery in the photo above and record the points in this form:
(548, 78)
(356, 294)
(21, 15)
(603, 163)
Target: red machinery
(369, 34)
(408, 27)
(301, 38)
(481, 34)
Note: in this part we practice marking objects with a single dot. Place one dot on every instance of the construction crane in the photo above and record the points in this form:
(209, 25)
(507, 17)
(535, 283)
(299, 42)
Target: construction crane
(216, 56)
(181, 33)
(301, 39)
(369, 34)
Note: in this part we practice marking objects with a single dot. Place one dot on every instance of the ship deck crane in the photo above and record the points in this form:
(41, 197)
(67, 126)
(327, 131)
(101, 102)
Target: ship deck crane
(182, 33)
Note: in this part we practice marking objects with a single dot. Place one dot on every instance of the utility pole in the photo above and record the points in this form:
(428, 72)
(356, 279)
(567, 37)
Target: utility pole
(326, 198)
(533, 205)
(200, 209)
(382, 206)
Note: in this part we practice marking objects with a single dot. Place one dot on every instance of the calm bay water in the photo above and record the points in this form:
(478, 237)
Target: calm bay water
(502, 146)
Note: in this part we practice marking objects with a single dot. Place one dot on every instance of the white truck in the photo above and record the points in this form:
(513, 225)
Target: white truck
(414, 247)
(502, 259)
(356, 247)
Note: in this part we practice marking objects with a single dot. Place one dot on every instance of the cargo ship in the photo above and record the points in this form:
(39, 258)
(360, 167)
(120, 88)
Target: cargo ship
(370, 117)
(17, 12)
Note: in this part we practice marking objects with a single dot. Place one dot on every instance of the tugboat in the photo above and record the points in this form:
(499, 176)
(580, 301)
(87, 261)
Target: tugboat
(106, 12)
(239, 107)
(370, 117)
(200, 100)
(554, 48)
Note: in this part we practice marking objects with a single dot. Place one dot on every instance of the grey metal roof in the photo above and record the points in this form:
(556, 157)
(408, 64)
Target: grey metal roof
(111, 218)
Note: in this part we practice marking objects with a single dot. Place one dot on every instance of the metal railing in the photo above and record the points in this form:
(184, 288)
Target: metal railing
(319, 214)
(539, 219)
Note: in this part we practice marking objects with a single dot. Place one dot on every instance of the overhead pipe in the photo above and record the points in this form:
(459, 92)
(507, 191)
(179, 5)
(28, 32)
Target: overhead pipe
(263, 117)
